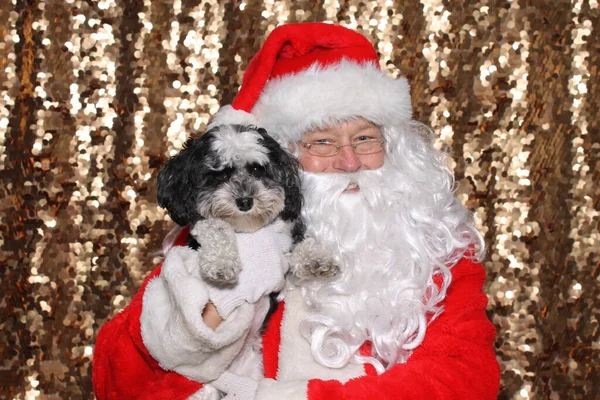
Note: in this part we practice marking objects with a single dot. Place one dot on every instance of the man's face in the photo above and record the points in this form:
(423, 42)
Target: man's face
(351, 132)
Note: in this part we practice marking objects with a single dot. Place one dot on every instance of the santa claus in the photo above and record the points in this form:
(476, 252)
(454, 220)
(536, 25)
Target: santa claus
(406, 316)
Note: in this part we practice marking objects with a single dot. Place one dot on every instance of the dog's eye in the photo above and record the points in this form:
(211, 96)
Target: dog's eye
(222, 175)
(256, 170)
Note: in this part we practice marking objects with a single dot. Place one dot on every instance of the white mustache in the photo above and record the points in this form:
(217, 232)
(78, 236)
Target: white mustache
(332, 186)
(337, 182)
(321, 182)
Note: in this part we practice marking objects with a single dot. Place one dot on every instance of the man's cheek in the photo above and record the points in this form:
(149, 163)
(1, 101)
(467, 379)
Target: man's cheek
(312, 163)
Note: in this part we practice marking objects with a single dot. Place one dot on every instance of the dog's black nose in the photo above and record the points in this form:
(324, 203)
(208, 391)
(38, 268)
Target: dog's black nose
(244, 203)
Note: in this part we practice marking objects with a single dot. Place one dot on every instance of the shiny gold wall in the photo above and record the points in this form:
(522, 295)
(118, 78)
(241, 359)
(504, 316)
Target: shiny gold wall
(95, 95)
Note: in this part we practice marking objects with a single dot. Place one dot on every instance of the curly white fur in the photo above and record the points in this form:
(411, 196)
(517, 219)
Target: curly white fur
(403, 228)
(239, 148)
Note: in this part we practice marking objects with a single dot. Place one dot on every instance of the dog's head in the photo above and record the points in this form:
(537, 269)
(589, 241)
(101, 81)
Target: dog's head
(233, 172)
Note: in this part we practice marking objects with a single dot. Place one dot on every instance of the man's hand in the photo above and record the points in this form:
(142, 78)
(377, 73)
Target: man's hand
(211, 317)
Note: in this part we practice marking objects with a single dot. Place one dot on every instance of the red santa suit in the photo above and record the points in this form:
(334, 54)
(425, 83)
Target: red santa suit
(308, 76)
(123, 368)
(455, 361)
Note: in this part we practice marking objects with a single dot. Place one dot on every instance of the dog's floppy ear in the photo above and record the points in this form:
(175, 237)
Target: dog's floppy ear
(177, 185)
(292, 186)
(285, 168)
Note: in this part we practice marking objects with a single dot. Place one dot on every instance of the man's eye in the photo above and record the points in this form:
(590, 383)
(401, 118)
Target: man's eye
(363, 138)
(321, 141)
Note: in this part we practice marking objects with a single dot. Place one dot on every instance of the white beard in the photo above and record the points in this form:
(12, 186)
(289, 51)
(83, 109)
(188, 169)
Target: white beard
(383, 239)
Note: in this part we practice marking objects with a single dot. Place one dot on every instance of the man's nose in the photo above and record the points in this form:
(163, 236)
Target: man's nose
(347, 160)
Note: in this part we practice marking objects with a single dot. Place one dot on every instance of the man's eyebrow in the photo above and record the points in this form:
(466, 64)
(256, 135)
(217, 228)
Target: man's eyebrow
(369, 126)
(369, 129)
(320, 134)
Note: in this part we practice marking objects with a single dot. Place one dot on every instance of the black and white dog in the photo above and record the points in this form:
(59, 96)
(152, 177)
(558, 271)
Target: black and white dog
(239, 177)
(232, 182)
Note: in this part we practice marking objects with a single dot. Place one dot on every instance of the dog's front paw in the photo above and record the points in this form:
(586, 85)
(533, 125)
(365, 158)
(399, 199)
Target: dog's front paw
(221, 272)
(218, 255)
(214, 233)
(309, 261)
(320, 268)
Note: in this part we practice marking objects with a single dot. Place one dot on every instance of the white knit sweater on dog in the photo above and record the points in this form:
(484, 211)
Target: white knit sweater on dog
(263, 267)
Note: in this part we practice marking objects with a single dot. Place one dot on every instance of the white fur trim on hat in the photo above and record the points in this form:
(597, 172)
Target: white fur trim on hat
(319, 96)
(229, 115)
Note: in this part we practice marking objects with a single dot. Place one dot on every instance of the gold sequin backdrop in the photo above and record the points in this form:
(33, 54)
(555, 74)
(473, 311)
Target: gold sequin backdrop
(96, 94)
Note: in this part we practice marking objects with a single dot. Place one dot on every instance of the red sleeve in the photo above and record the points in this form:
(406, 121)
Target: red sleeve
(455, 361)
(122, 368)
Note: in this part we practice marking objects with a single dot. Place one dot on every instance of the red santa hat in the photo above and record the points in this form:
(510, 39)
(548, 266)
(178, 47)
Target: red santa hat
(312, 75)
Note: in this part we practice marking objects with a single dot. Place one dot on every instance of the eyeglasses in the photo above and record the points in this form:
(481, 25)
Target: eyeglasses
(363, 147)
